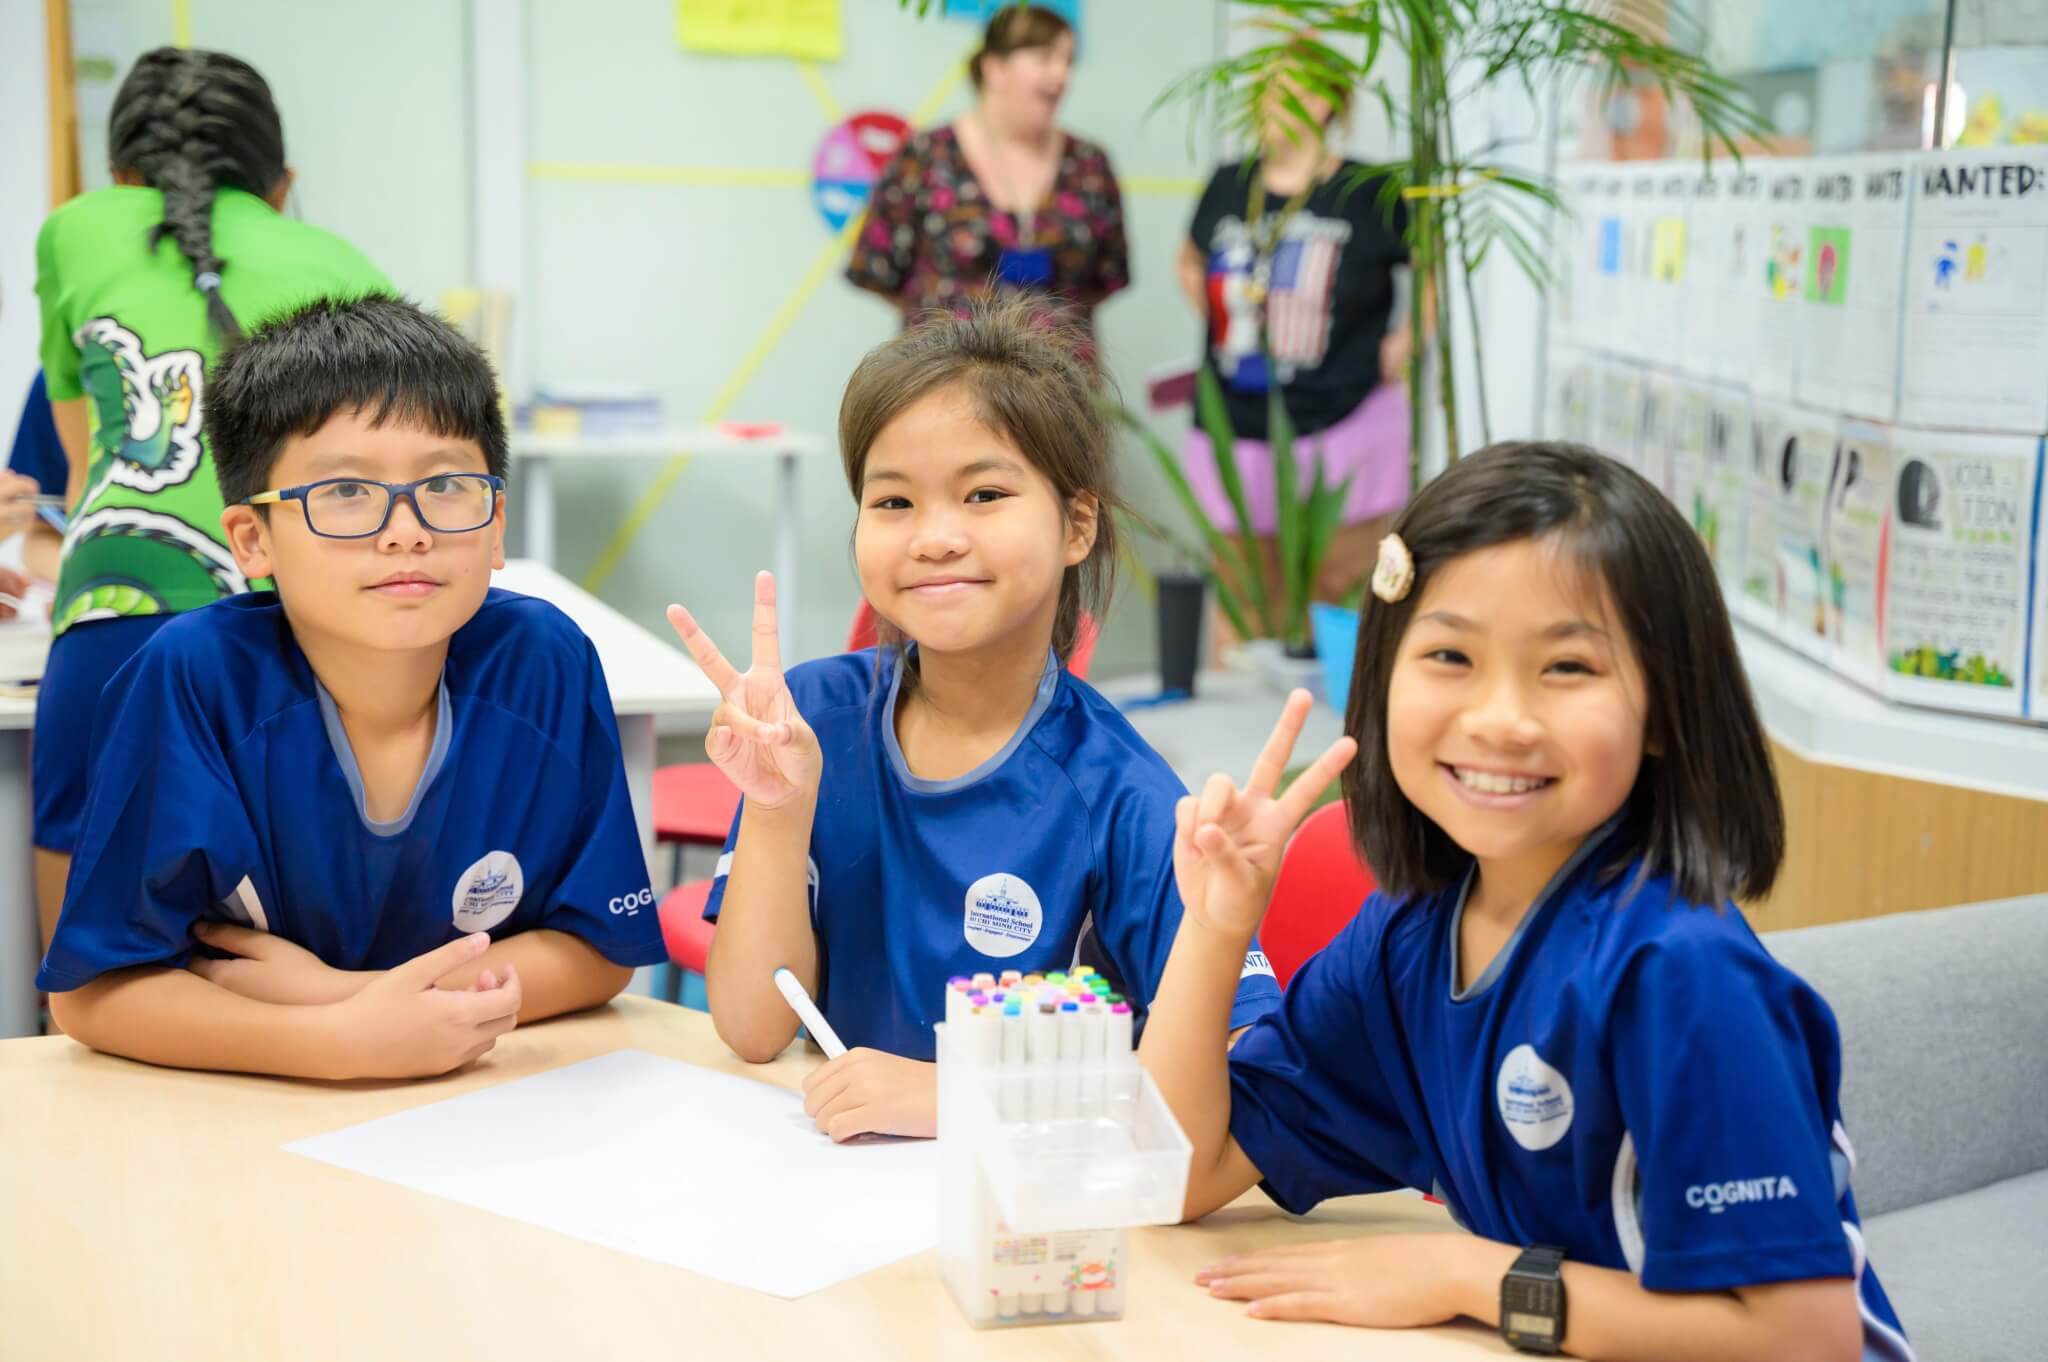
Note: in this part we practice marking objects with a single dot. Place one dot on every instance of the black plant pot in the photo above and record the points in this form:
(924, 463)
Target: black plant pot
(1182, 596)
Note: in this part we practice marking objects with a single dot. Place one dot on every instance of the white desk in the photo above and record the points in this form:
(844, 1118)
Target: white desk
(647, 677)
(533, 487)
(155, 1213)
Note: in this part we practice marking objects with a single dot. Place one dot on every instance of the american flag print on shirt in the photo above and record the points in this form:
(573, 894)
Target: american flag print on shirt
(1298, 298)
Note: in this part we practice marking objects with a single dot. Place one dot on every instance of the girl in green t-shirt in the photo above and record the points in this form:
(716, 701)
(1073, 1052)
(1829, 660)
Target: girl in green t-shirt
(142, 284)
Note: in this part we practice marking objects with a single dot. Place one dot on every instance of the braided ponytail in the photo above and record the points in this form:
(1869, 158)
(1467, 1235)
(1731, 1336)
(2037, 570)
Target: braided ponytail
(188, 123)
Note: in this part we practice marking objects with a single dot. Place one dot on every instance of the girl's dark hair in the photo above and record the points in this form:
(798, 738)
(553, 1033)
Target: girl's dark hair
(1705, 810)
(190, 122)
(1012, 28)
(1023, 365)
(378, 355)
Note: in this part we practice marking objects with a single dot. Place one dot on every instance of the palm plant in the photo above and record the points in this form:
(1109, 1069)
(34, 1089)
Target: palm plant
(1303, 528)
(1463, 202)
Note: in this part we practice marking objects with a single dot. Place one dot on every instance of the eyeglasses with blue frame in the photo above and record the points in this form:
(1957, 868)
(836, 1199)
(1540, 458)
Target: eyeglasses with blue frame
(360, 508)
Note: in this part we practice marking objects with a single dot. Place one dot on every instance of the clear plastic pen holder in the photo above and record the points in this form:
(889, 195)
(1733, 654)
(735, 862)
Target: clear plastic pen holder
(1042, 1169)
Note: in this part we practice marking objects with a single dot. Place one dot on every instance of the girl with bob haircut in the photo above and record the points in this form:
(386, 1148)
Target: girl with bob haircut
(1549, 1014)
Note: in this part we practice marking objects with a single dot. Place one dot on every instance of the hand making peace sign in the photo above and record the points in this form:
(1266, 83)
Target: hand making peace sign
(757, 737)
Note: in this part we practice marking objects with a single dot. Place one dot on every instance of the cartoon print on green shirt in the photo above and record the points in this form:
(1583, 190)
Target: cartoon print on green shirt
(146, 408)
(143, 559)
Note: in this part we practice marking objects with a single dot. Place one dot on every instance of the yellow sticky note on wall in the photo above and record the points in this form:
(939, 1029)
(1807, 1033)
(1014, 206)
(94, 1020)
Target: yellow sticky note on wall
(807, 29)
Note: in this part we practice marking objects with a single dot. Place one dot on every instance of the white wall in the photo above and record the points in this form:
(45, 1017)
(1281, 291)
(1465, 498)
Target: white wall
(24, 198)
(373, 94)
(664, 287)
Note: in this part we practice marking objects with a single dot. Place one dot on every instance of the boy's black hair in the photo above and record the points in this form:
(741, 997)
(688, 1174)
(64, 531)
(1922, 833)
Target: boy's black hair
(379, 355)
(190, 123)
(1705, 809)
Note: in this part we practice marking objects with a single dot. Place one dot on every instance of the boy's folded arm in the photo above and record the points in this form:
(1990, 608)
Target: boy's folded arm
(764, 924)
(1609, 1314)
(559, 972)
(172, 1017)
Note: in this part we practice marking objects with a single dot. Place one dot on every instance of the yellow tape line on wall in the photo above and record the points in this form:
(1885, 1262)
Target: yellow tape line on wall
(822, 266)
(814, 81)
(826, 262)
(181, 23)
(727, 177)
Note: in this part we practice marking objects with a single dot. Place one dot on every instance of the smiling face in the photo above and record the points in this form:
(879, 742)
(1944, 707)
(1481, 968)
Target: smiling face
(406, 587)
(1025, 86)
(1516, 706)
(960, 542)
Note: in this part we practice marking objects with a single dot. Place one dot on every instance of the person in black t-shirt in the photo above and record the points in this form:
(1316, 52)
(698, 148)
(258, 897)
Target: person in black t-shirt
(1290, 263)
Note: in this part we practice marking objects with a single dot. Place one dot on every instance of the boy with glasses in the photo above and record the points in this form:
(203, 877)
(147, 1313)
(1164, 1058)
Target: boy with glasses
(362, 825)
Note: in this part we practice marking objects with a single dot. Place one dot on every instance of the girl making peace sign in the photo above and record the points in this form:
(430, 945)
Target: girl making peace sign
(953, 802)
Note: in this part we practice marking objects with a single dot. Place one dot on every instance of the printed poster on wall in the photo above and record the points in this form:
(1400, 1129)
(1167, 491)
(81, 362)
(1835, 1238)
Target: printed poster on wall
(1576, 261)
(1718, 506)
(1658, 197)
(1778, 280)
(1786, 563)
(1976, 326)
(1685, 426)
(1858, 532)
(1605, 241)
(1618, 413)
(1957, 577)
(1573, 389)
(1727, 229)
(1706, 284)
(1653, 429)
(1854, 284)
(2037, 652)
(1757, 598)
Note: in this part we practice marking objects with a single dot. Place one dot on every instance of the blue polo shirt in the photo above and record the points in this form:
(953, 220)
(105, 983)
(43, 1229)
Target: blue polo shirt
(1633, 1078)
(1058, 850)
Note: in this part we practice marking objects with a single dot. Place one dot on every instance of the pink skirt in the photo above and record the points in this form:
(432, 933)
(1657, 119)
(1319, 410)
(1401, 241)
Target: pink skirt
(1370, 447)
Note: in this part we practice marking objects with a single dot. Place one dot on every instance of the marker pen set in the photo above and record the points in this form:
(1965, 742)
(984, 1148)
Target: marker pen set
(1052, 1141)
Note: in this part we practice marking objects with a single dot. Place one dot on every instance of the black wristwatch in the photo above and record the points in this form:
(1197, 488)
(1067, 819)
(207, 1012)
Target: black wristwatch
(1532, 1300)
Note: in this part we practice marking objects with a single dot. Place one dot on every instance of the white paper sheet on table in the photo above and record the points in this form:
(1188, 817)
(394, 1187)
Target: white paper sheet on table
(697, 1169)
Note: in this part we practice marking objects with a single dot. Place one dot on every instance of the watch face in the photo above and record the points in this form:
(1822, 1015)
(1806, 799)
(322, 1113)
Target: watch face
(1533, 1297)
(1529, 1326)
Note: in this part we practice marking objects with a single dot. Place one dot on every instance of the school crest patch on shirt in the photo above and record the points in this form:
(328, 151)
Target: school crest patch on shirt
(1003, 915)
(488, 891)
(1535, 1100)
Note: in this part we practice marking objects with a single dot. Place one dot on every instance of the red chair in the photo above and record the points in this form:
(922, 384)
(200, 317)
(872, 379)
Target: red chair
(683, 928)
(1319, 888)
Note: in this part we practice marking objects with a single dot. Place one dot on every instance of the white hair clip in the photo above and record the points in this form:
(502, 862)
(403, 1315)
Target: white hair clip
(1395, 571)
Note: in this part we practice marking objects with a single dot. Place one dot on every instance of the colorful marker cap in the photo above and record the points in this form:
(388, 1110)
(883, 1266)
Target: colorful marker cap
(1120, 1009)
(1070, 1007)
